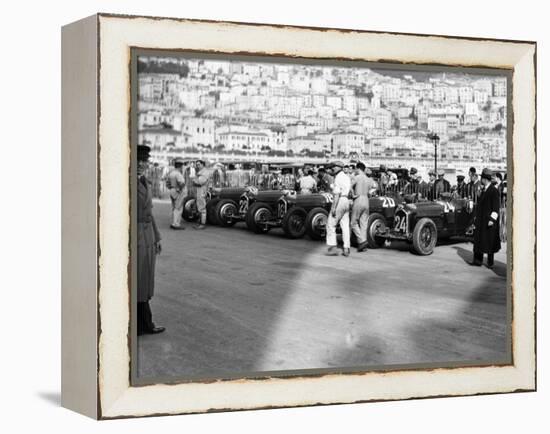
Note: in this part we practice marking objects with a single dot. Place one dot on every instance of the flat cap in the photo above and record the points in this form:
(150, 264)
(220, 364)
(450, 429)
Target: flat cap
(337, 163)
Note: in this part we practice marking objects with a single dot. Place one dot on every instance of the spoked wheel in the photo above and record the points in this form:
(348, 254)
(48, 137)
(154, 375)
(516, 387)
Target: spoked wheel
(424, 237)
(256, 217)
(226, 211)
(190, 212)
(376, 224)
(316, 223)
(294, 223)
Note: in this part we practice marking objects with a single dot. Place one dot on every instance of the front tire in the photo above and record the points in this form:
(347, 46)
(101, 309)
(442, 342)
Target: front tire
(225, 211)
(375, 223)
(256, 216)
(190, 212)
(316, 223)
(424, 237)
(294, 223)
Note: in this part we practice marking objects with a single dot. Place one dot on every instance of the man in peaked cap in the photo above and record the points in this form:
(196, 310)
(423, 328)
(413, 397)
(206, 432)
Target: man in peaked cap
(148, 247)
(339, 212)
(474, 185)
(412, 185)
(487, 222)
(461, 189)
(175, 182)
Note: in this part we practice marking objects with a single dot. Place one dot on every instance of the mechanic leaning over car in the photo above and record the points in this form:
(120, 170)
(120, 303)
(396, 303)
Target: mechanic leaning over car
(200, 180)
(361, 187)
(339, 213)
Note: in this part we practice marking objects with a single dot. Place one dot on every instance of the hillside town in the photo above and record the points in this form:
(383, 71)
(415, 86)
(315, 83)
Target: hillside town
(259, 111)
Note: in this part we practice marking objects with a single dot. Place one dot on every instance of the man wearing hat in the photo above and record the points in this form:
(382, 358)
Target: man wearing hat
(487, 222)
(474, 185)
(148, 246)
(441, 185)
(430, 187)
(175, 181)
(461, 190)
(200, 180)
(412, 185)
(339, 212)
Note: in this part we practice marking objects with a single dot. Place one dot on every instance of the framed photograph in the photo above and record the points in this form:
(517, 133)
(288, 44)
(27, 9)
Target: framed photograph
(262, 216)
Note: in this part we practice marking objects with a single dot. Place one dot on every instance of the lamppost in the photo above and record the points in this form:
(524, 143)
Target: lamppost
(435, 139)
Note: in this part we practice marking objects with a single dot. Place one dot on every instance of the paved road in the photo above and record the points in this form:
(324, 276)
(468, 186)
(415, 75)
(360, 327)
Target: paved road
(236, 302)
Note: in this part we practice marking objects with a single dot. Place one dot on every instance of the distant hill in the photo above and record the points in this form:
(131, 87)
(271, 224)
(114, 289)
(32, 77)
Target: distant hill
(155, 67)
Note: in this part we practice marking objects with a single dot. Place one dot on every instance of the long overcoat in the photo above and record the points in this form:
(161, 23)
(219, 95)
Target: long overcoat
(487, 238)
(147, 236)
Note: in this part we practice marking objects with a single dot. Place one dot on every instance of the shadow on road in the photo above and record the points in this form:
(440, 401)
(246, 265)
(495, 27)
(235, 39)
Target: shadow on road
(462, 337)
(499, 267)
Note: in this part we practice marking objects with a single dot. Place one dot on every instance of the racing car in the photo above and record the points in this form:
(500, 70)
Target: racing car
(301, 214)
(227, 206)
(422, 224)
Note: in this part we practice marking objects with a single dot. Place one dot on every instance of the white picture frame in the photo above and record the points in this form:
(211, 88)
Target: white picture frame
(96, 159)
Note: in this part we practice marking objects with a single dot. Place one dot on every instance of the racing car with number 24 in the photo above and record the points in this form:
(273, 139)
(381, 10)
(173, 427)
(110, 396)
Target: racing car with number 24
(422, 224)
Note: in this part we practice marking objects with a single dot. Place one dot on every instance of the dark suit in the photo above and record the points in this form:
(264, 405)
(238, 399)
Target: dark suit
(441, 186)
(474, 190)
(487, 238)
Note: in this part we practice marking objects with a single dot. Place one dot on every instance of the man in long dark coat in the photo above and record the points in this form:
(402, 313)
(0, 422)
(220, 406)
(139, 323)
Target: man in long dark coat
(148, 246)
(487, 221)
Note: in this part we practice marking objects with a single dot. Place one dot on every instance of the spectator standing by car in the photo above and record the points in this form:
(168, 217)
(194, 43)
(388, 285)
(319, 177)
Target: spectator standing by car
(498, 182)
(175, 182)
(148, 246)
(200, 180)
(412, 184)
(474, 185)
(487, 231)
(441, 185)
(307, 183)
(460, 189)
(383, 179)
(324, 180)
(431, 185)
(339, 212)
(361, 188)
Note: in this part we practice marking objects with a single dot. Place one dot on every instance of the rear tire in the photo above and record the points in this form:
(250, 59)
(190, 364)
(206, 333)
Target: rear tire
(316, 223)
(257, 213)
(225, 210)
(375, 223)
(294, 223)
(211, 216)
(424, 237)
(190, 212)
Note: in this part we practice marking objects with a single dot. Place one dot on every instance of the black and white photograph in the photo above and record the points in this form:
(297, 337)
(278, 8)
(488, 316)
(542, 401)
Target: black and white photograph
(297, 217)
